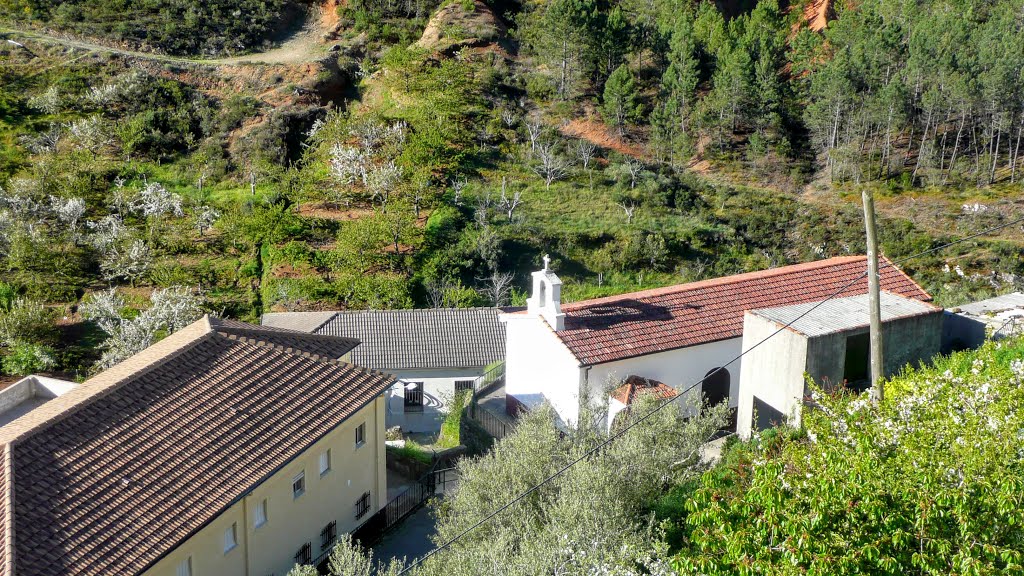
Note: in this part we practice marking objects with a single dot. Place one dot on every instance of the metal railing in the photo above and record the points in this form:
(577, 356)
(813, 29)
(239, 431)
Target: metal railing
(493, 424)
(402, 506)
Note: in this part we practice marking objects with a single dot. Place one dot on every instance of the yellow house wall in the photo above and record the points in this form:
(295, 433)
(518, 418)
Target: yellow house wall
(291, 522)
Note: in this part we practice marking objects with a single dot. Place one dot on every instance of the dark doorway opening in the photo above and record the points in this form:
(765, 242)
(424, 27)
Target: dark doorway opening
(716, 386)
(857, 367)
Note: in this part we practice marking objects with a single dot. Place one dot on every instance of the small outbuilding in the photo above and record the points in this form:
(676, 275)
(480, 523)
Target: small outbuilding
(968, 326)
(829, 344)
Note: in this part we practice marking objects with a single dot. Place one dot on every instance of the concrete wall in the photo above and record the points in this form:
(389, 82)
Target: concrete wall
(438, 386)
(679, 368)
(774, 371)
(539, 367)
(961, 332)
(291, 522)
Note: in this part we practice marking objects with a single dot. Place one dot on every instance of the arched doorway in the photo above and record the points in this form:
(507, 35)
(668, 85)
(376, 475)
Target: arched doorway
(716, 386)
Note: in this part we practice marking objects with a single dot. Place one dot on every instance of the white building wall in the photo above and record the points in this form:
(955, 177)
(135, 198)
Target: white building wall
(679, 368)
(438, 389)
(539, 367)
(774, 371)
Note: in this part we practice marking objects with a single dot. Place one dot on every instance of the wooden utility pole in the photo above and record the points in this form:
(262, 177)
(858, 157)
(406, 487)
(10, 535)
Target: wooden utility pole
(874, 298)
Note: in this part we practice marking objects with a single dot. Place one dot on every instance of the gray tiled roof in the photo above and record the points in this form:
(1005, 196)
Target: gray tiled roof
(422, 338)
(301, 321)
(842, 314)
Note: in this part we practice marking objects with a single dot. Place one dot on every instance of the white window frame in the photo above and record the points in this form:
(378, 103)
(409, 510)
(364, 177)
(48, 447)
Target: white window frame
(325, 462)
(360, 434)
(259, 517)
(300, 477)
(231, 538)
(185, 567)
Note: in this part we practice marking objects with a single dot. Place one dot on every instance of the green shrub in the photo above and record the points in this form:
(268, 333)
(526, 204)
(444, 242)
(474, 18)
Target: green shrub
(449, 436)
(25, 358)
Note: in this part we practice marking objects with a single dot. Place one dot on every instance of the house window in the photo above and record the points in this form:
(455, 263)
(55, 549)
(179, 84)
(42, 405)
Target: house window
(542, 299)
(259, 517)
(360, 434)
(229, 538)
(325, 462)
(414, 397)
(362, 505)
(305, 554)
(463, 386)
(328, 536)
(299, 485)
(185, 567)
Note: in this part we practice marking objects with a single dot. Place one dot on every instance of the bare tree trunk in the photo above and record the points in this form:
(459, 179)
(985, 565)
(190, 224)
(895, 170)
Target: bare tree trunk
(1016, 150)
(956, 144)
(920, 149)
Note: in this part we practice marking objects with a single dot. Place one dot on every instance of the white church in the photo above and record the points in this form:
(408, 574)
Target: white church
(665, 337)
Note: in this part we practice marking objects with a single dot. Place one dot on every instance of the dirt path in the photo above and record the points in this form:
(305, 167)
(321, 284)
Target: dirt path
(305, 45)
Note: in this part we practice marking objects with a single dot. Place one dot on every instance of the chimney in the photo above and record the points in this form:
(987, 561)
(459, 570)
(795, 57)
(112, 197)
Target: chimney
(546, 299)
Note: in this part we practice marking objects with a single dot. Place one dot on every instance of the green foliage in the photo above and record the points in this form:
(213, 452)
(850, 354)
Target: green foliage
(413, 451)
(929, 482)
(26, 321)
(452, 425)
(209, 27)
(620, 98)
(26, 358)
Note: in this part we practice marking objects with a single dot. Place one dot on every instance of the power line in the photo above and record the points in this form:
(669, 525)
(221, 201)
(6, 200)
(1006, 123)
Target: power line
(611, 438)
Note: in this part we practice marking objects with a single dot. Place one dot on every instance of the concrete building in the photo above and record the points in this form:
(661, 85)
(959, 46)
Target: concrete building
(830, 344)
(433, 353)
(968, 326)
(560, 353)
(225, 449)
(30, 393)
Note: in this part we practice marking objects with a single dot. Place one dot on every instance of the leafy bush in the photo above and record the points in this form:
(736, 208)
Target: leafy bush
(26, 321)
(930, 482)
(450, 428)
(25, 358)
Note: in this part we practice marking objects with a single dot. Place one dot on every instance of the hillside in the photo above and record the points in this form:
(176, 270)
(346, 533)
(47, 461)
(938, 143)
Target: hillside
(423, 155)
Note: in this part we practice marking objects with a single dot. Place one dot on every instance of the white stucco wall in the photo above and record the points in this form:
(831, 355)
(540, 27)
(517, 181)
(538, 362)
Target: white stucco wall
(438, 386)
(774, 371)
(679, 368)
(539, 367)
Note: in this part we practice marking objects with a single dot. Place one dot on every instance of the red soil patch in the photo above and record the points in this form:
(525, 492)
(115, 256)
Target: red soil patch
(816, 14)
(327, 212)
(597, 132)
(402, 249)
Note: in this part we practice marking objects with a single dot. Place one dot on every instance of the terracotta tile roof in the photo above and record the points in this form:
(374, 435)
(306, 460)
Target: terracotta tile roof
(322, 345)
(619, 327)
(109, 477)
(634, 385)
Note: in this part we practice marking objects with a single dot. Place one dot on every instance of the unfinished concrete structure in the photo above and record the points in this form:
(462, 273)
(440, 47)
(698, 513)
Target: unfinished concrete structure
(830, 345)
(968, 326)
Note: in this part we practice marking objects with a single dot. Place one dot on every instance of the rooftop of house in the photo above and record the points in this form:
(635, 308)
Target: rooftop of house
(843, 314)
(629, 325)
(635, 385)
(1005, 305)
(115, 473)
(409, 339)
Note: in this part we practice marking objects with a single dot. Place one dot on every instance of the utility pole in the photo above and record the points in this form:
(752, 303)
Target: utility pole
(874, 297)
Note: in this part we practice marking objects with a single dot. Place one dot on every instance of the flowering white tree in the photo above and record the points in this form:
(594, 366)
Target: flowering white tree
(348, 164)
(68, 210)
(170, 309)
(51, 101)
(129, 260)
(206, 217)
(89, 133)
(382, 180)
(156, 200)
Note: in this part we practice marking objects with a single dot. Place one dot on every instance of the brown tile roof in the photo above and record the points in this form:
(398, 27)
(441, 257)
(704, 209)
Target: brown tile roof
(628, 325)
(634, 385)
(320, 344)
(113, 475)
